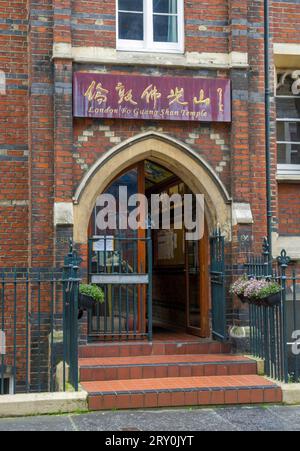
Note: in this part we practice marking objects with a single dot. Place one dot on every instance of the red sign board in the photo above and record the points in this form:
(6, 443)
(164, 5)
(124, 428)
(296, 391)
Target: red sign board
(151, 98)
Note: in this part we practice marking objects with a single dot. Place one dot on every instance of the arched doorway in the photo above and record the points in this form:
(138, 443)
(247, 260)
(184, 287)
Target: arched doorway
(179, 270)
(184, 167)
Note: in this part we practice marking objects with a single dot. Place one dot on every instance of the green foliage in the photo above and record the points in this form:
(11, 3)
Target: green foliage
(93, 291)
(271, 289)
(259, 289)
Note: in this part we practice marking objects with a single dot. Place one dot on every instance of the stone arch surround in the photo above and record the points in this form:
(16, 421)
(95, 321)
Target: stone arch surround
(169, 152)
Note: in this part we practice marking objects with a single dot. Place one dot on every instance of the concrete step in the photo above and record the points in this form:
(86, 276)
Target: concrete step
(162, 366)
(156, 348)
(181, 391)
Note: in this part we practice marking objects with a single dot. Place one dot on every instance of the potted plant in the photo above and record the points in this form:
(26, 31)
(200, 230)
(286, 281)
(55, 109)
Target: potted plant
(89, 296)
(263, 292)
(238, 288)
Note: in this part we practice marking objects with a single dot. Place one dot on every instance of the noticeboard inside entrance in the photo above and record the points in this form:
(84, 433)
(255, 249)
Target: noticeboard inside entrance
(109, 96)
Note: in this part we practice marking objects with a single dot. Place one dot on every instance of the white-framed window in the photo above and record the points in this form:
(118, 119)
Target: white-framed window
(288, 121)
(150, 25)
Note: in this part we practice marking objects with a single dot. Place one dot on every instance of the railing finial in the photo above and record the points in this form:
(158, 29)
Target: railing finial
(284, 260)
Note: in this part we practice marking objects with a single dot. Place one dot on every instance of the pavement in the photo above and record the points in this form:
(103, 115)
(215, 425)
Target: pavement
(262, 418)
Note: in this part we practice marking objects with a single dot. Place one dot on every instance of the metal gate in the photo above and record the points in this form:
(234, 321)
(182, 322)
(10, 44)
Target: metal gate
(121, 264)
(217, 248)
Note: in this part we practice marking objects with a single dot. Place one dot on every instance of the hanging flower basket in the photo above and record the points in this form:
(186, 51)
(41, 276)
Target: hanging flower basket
(259, 292)
(89, 297)
(263, 292)
(273, 300)
(86, 302)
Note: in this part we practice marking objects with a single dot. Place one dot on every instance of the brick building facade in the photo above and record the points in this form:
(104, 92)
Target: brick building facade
(45, 152)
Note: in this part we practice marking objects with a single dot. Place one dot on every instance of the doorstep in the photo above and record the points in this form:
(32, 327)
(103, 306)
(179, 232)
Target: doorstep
(181, 392)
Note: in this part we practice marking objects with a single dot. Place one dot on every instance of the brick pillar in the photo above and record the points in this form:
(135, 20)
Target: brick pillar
(257, 124)
(63, 129)
(240, 154)
(41, 159)
(240, 157)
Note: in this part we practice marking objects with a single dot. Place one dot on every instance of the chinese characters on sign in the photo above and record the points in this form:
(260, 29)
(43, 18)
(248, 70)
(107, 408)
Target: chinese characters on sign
(151, 98)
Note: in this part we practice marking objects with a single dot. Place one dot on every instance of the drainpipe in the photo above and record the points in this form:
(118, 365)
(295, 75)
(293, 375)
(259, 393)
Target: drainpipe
(268, 94)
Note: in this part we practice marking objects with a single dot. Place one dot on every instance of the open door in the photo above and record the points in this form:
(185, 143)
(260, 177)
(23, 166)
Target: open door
(197, 261)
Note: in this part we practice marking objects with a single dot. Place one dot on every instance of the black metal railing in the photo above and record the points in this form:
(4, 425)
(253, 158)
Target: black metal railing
(38, 328)
(218, 290)
(274, 330)
(122, 266)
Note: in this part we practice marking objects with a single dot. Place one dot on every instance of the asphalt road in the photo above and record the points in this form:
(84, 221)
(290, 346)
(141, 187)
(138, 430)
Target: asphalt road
(272, 418)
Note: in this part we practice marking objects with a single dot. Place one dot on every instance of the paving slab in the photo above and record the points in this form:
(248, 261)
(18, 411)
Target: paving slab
(258, 418)
(35, 424)
(251, 418)
(169, 420)
(289, 416)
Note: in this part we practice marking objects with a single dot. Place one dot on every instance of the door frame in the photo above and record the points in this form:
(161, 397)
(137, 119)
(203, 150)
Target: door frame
(204, 293)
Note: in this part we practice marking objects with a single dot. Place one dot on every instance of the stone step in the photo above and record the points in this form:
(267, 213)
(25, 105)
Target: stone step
(180, 392)
(162, 366)
(157, 348)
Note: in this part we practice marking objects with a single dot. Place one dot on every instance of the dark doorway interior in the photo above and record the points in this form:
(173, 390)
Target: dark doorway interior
(180, 295)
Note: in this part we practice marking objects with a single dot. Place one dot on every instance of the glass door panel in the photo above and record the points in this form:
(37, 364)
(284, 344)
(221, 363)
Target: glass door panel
(118, 251)
(193, 284)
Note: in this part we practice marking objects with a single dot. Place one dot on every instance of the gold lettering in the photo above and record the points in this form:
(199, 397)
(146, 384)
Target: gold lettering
(176, 96)
(151, 93)
(124, 96)
(202, 100)
(97, 93)
(221, 104)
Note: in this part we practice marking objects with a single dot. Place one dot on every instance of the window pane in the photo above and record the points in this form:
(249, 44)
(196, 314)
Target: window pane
(165, 6)
(165, 29)
(288, 131)
(288, 108)
(288, 153)
(285, 85)
(131, 5)
(131, 26)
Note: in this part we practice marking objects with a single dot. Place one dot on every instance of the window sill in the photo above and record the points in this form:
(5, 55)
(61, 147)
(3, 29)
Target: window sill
(110, 56)
(193, 60)
(288, 173)
(178, 51)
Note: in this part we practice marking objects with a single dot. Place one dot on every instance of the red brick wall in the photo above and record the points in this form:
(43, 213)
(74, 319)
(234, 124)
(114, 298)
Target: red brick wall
(285, 27)
(289, 207)
(286, 21)
(13, 134)
(42, 160)
(47, 132)
(41, 126)
(207, 28)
